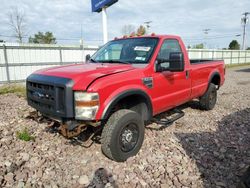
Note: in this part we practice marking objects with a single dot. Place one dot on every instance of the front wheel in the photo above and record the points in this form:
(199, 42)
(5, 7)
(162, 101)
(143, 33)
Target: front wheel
(208, 100)
(123, 135)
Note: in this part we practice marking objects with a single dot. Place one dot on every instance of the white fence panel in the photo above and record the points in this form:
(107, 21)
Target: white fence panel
(72, 55)
(2, 61)
(23, 59)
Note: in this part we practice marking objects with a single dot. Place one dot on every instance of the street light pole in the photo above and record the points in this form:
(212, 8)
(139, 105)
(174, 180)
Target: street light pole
(104, 25)
(244, 21)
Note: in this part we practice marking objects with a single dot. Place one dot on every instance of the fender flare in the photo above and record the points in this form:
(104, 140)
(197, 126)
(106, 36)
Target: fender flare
(124, 94)
(215, 73)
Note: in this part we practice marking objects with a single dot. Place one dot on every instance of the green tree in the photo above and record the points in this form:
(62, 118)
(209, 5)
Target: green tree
(43, 38)
(248, 48)
(141, 30)
(234, 45)
(199, 46)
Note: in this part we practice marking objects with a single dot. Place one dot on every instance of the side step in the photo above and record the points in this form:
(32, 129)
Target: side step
(164, 123)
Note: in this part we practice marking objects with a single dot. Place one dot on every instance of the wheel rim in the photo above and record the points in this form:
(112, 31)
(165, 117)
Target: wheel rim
(212, 98)
(129, 137)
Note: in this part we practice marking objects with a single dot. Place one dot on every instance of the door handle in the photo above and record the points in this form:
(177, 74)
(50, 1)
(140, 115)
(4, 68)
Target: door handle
(187, 74)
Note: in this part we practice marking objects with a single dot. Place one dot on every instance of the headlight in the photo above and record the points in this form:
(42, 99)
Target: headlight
(86, 105)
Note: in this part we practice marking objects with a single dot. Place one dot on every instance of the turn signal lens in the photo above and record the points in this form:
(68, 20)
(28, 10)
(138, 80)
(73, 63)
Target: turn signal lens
(87, 103)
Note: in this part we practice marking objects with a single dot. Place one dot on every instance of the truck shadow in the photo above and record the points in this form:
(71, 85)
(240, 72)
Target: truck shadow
(243, 70)
(223, 156)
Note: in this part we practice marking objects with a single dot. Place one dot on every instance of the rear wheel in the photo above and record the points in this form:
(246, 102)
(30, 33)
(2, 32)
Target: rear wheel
(123, 135)
(208, 100)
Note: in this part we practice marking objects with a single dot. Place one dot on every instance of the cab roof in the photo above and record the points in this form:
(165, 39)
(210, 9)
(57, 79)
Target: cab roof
(149, 36)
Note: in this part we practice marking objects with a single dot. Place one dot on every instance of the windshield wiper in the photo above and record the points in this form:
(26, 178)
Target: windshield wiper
(115, 61)
(93, 60)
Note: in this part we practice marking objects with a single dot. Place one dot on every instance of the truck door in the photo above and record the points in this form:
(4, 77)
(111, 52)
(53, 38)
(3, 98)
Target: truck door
(170, 88)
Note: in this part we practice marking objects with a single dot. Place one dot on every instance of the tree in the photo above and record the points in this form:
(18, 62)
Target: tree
(128, 29)
(199, 46)
(234, 45)
(141, 30)
(17, 23)
(248, 48)
(43, 38)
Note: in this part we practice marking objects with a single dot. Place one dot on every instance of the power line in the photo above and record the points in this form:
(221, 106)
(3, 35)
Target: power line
(185, 38)
(206, 31)
(70, 39)
(212, 37)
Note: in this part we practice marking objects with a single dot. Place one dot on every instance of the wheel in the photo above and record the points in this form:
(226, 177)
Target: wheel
(208, 100)
(123, 135)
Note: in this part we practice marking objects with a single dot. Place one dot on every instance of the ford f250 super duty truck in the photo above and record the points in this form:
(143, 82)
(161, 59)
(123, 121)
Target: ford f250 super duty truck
(121, 87)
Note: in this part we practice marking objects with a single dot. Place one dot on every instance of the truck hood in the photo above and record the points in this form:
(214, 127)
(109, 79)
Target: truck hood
(84, 74)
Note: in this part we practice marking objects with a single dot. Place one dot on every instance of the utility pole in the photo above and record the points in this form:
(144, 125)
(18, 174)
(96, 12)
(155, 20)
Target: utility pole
(206, 33)
(244, 22)
(148, 26)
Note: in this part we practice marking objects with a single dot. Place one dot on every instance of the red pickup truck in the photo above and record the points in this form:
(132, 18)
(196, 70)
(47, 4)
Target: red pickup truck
(121, 87)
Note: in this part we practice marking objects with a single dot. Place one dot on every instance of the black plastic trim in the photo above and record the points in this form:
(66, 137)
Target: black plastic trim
(211, 78)
(124, 94)
(62, 93)
(203, 61)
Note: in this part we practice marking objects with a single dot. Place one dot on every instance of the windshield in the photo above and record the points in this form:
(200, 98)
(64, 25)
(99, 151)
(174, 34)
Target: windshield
(131, 51)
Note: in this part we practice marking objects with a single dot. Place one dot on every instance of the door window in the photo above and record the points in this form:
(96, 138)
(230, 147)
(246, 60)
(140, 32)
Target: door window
(168, 46)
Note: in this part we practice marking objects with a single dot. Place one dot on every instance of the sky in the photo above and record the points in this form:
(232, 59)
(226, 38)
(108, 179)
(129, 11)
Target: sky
(187, 18)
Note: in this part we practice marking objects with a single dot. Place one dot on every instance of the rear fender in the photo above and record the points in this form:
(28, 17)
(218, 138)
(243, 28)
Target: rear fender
(211, 76)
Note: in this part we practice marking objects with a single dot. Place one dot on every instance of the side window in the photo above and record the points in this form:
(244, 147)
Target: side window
(168, 46)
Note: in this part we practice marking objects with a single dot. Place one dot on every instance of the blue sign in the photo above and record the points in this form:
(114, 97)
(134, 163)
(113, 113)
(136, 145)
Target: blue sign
(97, 5)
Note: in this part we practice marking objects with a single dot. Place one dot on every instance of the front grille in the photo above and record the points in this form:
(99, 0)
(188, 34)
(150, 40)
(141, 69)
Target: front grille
(52, 96)
(42, 96)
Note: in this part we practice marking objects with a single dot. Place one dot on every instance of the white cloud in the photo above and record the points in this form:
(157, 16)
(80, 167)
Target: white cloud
(184, 17)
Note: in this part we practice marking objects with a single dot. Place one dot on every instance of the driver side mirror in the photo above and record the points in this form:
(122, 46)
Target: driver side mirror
(87, 57)
(175, 63)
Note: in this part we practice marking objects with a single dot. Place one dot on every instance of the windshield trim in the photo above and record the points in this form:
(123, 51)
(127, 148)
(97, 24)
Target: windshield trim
(143, 63)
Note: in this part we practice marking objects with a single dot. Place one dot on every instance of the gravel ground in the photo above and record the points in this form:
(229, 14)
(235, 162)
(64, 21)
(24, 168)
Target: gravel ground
(202, 149)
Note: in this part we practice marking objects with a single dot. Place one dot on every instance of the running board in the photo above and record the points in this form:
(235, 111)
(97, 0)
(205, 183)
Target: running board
(164, 123)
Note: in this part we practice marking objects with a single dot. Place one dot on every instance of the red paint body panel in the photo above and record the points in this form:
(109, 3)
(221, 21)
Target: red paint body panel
(84, 74)
(170, 89)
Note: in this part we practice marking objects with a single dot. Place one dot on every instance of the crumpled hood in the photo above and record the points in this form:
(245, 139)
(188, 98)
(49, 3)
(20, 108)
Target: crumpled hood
(84, 74)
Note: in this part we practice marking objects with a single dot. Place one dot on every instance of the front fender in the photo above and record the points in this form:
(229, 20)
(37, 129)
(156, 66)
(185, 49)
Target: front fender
(115, 96)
